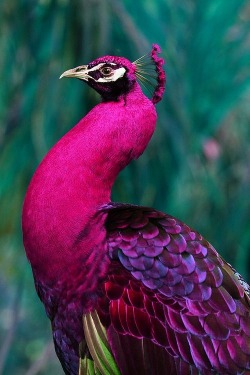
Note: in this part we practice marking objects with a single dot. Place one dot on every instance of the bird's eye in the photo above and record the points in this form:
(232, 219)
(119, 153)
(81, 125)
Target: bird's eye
(106, 71)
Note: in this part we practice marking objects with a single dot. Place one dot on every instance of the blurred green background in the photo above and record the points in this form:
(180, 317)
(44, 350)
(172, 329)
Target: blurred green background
(197, 166)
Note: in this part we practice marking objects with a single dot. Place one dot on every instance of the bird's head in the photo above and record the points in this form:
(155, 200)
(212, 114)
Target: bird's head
(110, 76)
(113, 76)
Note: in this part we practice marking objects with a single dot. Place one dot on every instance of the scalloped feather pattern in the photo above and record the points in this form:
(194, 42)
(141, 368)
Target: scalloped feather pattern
(169, 286)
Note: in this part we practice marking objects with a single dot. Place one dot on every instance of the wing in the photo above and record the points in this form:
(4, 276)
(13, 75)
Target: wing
(171, 304)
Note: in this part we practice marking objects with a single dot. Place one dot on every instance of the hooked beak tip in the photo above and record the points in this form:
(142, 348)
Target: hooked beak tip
(67, 73)
(78, 72)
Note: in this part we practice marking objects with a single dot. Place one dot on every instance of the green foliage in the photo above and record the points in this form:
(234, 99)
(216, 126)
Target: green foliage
(196, 166)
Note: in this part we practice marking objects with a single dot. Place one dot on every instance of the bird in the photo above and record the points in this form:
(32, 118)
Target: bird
(128, 289)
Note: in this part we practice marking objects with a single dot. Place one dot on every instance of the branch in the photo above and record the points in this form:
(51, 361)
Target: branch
(47, 353)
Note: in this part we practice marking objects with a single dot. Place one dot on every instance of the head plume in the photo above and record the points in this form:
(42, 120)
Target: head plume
(114, 76)
(146, 75)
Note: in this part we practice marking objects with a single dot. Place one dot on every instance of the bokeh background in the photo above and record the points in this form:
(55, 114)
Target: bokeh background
(197, 166)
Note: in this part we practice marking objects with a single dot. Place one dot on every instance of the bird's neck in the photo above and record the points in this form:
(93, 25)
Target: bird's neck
(76, 178)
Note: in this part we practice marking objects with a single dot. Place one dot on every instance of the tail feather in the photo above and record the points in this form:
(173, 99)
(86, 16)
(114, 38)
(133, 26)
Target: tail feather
(101, 360)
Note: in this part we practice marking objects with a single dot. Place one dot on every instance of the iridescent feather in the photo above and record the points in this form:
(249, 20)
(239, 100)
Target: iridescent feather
(128, 289)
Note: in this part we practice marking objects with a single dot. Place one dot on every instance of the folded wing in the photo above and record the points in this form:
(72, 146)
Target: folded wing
(171, 304)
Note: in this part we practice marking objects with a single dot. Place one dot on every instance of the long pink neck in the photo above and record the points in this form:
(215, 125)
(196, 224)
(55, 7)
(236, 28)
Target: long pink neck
(76, 177)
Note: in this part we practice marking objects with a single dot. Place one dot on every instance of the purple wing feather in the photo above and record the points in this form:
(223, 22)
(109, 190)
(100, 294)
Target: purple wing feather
(168, 290)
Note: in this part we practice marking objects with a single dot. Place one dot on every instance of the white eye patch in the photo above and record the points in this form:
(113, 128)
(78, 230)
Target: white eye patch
(99, 66)
(117, 73)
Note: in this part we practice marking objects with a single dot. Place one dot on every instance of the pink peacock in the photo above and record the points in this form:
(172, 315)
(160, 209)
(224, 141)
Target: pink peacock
(128, 289)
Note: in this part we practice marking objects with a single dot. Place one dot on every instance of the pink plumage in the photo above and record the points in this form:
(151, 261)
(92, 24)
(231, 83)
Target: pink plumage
(167, 301)
(161, 77)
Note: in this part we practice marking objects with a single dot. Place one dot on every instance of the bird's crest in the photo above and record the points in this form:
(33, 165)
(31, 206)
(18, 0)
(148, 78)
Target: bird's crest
(149, 68)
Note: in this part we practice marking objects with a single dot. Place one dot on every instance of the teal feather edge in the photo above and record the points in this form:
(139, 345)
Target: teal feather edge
(102, 361)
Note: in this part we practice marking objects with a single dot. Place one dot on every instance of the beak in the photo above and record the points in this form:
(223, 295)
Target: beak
(80, 72)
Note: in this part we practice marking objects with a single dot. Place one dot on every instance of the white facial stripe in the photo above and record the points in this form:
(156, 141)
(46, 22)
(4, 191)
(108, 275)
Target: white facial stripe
(118, 73)
(96, 67)
(99, 66)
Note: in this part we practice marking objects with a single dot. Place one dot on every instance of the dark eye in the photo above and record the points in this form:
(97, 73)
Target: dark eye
(106, 71)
